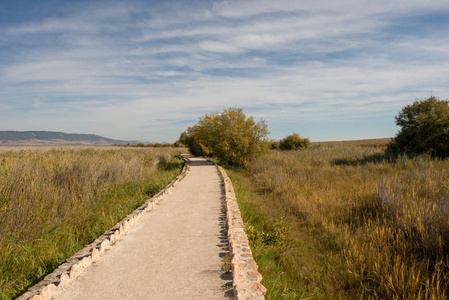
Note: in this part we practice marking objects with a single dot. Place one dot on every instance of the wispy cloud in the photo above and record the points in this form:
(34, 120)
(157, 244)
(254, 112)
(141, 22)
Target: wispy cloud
(139, 70)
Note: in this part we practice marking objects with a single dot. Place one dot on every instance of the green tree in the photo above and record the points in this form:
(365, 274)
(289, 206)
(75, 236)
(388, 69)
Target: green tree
(230, 136)
(424, 129)
(184, 138)
(293, 141)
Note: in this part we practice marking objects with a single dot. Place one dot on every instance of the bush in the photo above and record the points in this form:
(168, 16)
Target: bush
(293, 141)
(424, 129)
(273, 145)
(230, 136)
(178, 144)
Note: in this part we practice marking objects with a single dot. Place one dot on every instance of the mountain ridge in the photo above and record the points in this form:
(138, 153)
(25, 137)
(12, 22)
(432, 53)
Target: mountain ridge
(11, 137)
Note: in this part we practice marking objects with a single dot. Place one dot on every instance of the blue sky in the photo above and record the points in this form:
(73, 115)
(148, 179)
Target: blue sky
(146, 70)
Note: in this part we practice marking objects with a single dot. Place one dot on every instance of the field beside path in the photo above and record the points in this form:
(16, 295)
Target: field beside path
(54, 201)
(345, 222)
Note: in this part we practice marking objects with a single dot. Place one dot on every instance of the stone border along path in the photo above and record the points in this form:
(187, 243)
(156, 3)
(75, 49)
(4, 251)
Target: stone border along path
(246, 279)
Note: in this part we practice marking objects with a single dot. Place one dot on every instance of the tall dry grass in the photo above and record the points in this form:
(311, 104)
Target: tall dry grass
(357, 143)
(55, 201)
(345, 222)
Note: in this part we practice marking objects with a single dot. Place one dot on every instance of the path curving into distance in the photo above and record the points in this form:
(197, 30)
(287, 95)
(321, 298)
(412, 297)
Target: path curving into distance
(173, 252)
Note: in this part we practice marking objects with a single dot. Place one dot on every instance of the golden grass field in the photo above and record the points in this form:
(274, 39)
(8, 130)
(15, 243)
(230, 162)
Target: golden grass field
(342, 221)
(55, 200)
(338, 220)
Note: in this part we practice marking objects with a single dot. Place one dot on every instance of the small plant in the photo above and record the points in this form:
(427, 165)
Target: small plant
(226, 267)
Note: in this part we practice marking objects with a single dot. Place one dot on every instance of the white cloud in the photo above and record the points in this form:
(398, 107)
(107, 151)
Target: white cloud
(129, 71)
(46, 71)
(249, 8)
(169, 73)
(214, 46)
(51, 26)
(261, 41)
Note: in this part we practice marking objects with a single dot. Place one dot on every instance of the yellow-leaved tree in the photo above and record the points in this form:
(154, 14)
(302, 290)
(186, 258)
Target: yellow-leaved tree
(230, 136)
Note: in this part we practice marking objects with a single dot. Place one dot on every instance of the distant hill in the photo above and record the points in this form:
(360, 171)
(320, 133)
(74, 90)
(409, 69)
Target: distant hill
(36, 138)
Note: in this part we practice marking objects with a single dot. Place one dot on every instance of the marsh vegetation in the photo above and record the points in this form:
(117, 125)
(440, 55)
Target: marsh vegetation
(347, 222)
(54, 201)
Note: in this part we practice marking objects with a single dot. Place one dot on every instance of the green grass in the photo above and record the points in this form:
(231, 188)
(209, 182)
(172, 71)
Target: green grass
(53, 202)
(346, 223)
(293, 257)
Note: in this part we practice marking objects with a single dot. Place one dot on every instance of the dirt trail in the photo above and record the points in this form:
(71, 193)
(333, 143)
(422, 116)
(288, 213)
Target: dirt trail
(173, 252)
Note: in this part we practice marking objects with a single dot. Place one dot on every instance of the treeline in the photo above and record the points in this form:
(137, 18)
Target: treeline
(235, 139)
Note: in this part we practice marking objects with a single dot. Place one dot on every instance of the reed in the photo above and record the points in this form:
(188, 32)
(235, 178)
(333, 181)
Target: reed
(380, 143)
(54, 201)
(339, 222)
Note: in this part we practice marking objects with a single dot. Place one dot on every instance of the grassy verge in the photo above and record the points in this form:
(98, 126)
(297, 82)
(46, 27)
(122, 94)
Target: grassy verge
(343, 223)
(55, 201)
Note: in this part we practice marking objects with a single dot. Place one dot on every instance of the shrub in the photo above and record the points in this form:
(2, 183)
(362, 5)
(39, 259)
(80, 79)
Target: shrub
(230, 136)
(178, 144)
(273, 145)
(424, 129)
(293, 141)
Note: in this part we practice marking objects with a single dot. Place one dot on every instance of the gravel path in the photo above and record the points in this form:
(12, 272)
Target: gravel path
(173, 252)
